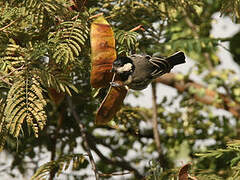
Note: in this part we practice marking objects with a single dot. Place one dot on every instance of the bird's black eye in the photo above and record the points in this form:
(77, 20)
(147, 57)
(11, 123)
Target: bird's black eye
(117, 63)
(148, 57)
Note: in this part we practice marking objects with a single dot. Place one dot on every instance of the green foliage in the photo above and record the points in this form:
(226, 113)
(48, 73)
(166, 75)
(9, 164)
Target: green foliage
(231, 7)
(39, 12)
(12, 58)
(67, 41)
(194, 47)
(28, 62)
(155, 171)
(60, 81)
(25, 102)
(44, 46)
(126, 42)
(129, 117)
(58, 166)
(233, 150)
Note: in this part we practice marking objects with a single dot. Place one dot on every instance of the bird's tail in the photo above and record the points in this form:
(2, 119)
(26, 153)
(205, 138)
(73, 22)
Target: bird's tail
(177, 58)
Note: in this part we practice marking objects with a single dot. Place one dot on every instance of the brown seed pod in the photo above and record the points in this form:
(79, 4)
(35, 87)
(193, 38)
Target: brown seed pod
(103, 52)
(111, 104)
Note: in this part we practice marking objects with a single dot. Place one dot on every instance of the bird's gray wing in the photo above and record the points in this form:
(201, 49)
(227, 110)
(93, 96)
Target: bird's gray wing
(160, 66)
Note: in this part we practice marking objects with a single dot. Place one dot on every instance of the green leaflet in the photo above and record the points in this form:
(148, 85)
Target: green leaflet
(36, 10)
(126, 41)
(60, 165)
(25, 102)
(68, 41)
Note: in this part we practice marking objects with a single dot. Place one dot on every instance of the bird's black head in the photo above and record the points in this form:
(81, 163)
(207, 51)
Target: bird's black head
(123, 66)
(121, 61)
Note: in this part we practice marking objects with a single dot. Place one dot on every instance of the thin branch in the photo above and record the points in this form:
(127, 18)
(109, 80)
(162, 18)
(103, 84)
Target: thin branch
(116, 174)
(5, 27)
(137, 28)
(84, 137)
(54, 139)
(5, 81)
(92, 141)
(53, 155)
(11, 23)
(9, 74)
(156, 135)
(154, 118)
(102, 142)
(123, 164)
(209, 98)
(95, 16)
(208, 60)
(196, 36)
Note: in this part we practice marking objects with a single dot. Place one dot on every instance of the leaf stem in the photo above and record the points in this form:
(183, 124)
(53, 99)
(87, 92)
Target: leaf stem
(84, 137)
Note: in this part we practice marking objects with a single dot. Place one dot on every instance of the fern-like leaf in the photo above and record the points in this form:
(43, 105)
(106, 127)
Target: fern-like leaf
(71, 36)
(231, 7)
(126, 41)
(25, 102)
(61, 81)
(12, 57)
(37, 9)
(58, 166)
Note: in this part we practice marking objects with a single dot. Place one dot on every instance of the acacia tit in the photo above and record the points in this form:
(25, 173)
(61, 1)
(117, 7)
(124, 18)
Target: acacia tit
(137, 71)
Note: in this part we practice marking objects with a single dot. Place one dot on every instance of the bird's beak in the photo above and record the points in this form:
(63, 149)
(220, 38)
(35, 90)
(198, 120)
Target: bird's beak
(113, 70)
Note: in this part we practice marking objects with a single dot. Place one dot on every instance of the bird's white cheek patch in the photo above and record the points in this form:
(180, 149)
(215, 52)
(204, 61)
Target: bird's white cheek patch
(126, 67)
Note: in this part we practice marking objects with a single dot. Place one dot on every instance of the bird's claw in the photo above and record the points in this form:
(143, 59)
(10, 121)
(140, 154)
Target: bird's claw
(115, 84)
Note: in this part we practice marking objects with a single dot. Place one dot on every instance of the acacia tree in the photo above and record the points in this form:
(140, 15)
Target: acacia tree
(48, 105)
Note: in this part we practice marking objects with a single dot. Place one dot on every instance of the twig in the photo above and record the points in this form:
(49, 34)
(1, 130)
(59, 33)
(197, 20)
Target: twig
(225, 48)
(20, 68)
(84, 137)
(115, 174)
(108, 92)
(155, 125)
(75, 17)
(94, 16)
(5, 27)
(9, 74)
(123, 164)
(209, 98)
(1, 29)
(137, 28)
(10, 84)
(54, 139)
(154, 118)
(208, 60)
(53, 155)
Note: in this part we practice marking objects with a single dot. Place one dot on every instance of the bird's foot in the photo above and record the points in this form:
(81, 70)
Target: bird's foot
(115, 84)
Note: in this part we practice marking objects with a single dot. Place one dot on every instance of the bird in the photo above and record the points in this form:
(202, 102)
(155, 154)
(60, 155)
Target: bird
(138, 71)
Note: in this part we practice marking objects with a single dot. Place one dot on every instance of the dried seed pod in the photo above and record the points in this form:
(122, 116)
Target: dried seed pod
(111, 104)
(103, 52)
